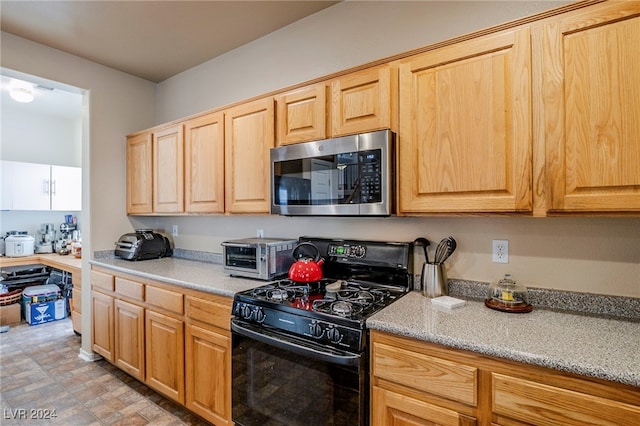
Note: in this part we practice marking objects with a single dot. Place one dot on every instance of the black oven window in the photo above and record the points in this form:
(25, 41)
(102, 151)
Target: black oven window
(276, 387)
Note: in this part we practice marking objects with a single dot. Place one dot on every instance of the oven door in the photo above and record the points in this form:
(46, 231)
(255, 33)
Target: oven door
(281, 380)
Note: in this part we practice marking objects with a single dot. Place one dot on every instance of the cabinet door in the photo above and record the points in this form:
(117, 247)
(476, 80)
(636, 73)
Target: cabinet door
(164, 337)
(139, 176)
(66, 188)
(204, 164)
(76, 312)
(465, 127)
(31, 185)
(103, 333)
(168, 170)
(302, 115)
(390, 408)
(249, 134)
(361, 102)
(129, 338)
(6, 182)
(208, 374)
(537, 403)
(590, 63)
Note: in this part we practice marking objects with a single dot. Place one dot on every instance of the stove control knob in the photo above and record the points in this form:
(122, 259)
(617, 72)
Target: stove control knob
(245, 312)
(259, 315)
(334, 335)
(315, 329)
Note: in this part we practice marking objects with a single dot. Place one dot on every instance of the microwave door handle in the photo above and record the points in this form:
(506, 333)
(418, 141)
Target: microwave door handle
(309, 351)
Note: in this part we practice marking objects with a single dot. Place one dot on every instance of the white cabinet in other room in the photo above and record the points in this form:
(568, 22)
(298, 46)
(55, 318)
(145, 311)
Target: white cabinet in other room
(31, 186)
(66, 188)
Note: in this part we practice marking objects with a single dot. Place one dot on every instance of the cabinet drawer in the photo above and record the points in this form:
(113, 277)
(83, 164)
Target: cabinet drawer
(130, 289)
(542, 404)
(437, 376)
(215, 312)
(101, 281)
(165, 299)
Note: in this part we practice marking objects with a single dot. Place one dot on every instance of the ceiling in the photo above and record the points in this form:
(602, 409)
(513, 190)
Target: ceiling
(153, 40)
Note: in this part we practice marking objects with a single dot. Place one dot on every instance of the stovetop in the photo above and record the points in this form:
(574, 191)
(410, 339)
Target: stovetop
(348, 302)
(361, 278)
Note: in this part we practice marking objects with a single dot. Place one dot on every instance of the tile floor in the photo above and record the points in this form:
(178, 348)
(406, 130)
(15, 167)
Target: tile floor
(41, 375)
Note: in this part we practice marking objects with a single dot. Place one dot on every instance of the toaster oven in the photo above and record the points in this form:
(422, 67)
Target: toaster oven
(259, 258)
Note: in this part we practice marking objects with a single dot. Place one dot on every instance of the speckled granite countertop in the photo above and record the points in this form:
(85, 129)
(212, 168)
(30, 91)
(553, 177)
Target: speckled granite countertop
(592, 346)
(587, 345)
(203, 276)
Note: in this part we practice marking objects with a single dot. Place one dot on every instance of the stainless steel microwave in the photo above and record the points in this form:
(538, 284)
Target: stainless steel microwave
(344, 176)
(259, 258)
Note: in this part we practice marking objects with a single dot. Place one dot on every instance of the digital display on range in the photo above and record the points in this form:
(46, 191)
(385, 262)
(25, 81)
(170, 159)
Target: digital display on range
(346, 250)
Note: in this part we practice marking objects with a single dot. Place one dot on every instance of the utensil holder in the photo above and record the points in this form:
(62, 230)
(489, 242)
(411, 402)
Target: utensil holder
(434, 280)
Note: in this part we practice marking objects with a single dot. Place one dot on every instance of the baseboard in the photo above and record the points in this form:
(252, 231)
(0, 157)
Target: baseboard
(89, 356)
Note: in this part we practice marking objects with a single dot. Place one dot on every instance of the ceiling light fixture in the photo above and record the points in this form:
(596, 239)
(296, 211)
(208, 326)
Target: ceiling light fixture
(21, 94)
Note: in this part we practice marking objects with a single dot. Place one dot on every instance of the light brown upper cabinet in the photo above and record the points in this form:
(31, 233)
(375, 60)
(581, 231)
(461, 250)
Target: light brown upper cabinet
(302, 115)
(249, 134)
(139, 175)
(168, 170)
(465, 127)
(362, 101)
(589, 70)
(204, 164)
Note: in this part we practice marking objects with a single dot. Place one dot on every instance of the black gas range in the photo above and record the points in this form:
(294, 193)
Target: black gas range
(307, 342)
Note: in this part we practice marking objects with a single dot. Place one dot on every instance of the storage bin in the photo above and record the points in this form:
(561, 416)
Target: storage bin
(43, 303)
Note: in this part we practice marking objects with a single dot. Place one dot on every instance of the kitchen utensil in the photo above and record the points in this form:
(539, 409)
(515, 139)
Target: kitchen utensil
(424, 243)
(434, 280)
(508, 296)
(445, 248)
(305, 268)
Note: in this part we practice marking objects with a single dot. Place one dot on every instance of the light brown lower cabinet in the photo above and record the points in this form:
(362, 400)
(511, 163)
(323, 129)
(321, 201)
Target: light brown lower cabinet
(103, 323)
(165, 355)
(129, 338)
(419, 383)
(76, 302)
(393, 408)
(175, 340)
(208, 358)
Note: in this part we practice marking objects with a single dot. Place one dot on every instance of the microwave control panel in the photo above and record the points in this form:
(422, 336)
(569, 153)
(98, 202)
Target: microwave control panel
(370, 176)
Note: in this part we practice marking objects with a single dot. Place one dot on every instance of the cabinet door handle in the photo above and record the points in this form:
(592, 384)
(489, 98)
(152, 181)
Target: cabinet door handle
(45, 186)
(53, 187)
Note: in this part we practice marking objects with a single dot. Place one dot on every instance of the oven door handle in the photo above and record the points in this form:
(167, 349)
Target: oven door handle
(282, 342)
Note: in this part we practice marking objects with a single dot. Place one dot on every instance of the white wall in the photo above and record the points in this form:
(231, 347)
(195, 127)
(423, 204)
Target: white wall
(599, 255)
(40, 138)
(348, 34)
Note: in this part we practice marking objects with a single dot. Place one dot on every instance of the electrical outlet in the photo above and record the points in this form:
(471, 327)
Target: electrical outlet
(174, 231)
(500, 251)
(260, 233)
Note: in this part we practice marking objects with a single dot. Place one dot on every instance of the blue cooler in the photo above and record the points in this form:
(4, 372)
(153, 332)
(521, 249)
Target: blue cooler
(43, 303)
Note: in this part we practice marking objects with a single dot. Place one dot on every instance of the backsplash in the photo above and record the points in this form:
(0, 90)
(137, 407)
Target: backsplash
(560, 300)
(627, 308)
